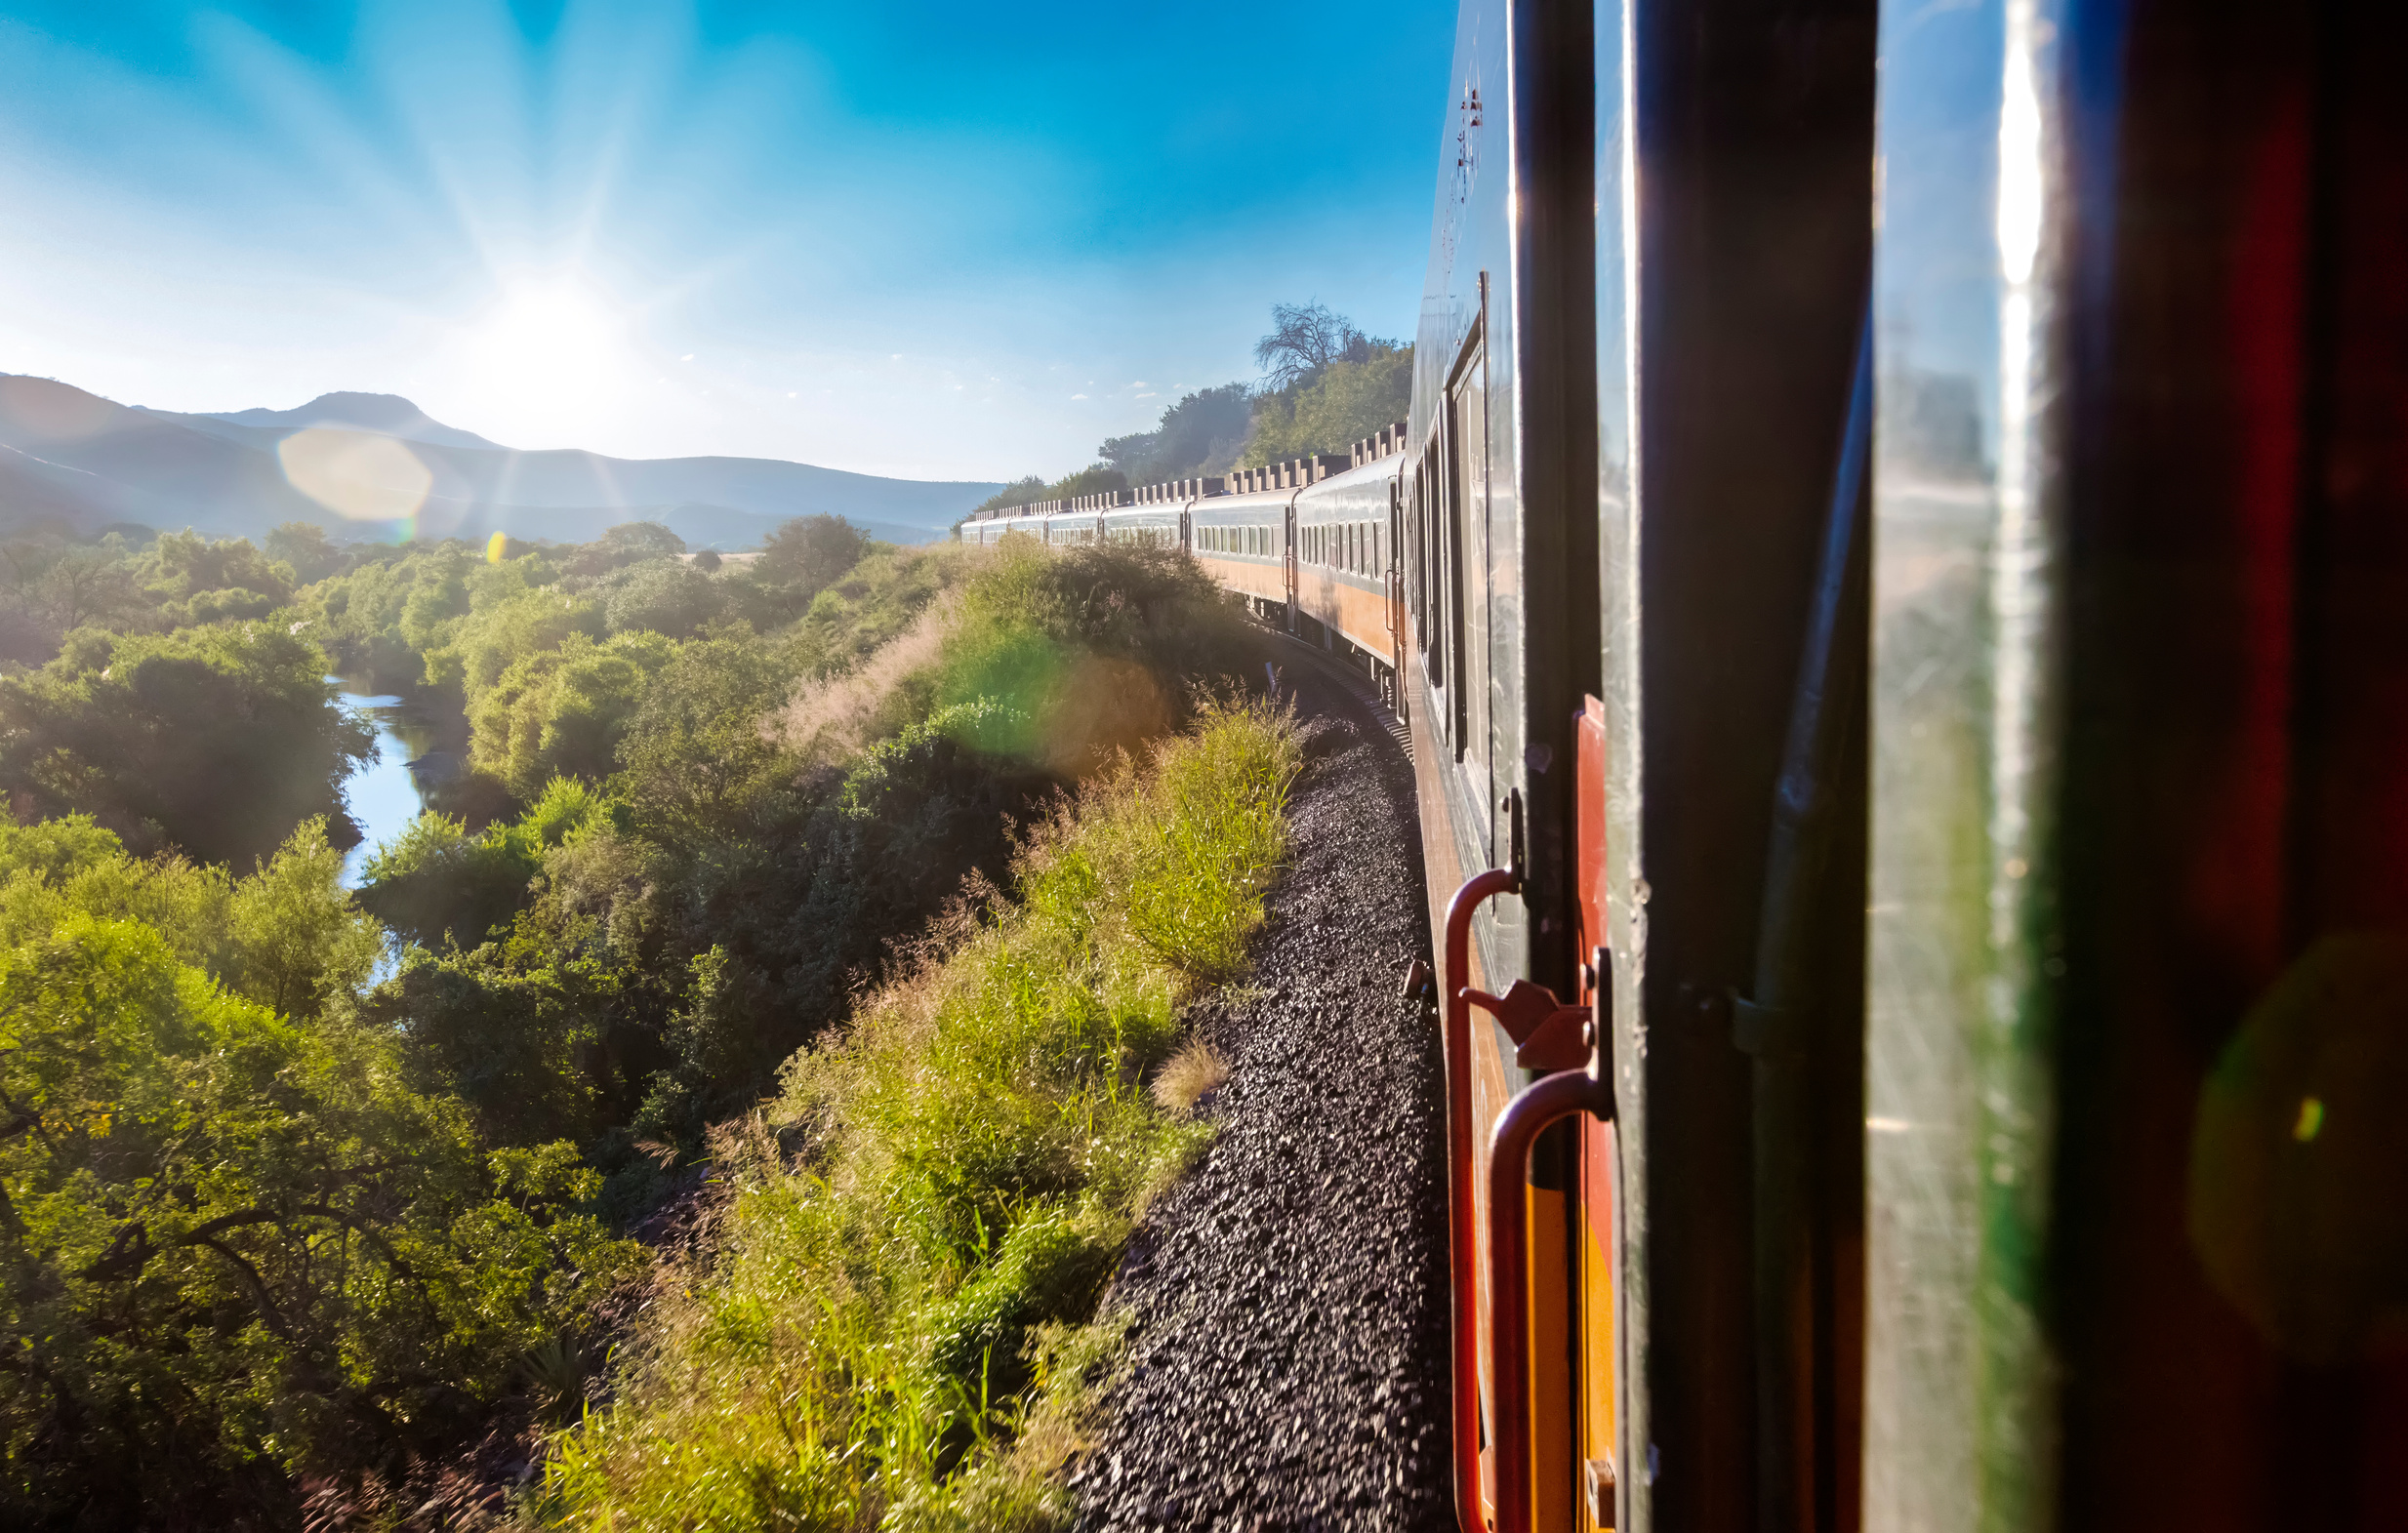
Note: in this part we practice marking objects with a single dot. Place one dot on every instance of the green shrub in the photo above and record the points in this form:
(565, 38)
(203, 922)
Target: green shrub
(891, 1326)
(238, 1249)
(213, 741)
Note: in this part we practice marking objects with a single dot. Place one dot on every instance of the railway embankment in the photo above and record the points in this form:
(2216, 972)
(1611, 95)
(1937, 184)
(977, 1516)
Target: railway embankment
(1287, 1302)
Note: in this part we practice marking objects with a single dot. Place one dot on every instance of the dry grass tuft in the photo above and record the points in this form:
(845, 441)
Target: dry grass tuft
(833, 717)
(1187, 1075)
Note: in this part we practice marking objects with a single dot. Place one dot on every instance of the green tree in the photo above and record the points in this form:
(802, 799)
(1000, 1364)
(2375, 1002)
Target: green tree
(563, 710)
(1203, 432)
(626, 543)
(1304, 340)
(1020, 491)
(218, 741)
(185, 564)
(60, 587)
(235, 1249)
(305, 547)
(1343, 403)
(299, 938)
(440, 884)
(665, 596)
(810, 553)
(1094, 479)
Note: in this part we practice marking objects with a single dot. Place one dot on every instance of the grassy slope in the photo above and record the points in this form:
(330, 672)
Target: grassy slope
(891, 1326)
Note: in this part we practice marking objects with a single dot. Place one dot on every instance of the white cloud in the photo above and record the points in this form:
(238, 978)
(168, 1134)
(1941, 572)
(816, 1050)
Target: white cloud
(1078, 396)
(688, 357)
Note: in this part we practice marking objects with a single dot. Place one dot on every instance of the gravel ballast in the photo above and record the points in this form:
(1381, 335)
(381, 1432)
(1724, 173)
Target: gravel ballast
(1287, 1361)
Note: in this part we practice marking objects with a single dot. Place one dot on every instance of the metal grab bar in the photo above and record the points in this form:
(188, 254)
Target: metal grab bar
(1551, 1098)
(1462, 1236)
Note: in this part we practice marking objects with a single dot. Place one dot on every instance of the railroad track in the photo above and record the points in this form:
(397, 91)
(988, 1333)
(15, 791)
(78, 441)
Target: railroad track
(1288, 1362)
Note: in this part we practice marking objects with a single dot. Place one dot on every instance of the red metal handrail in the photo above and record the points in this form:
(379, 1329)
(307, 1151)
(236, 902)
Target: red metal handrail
(1462, 1248)
(1551, 1098)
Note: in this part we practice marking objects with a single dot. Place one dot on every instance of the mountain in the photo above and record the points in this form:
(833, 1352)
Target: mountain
(388, 414)
(376, 465)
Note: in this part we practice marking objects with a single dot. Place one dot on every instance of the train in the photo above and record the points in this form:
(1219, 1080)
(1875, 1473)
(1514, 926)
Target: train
(1308, 544)
(1896, 575)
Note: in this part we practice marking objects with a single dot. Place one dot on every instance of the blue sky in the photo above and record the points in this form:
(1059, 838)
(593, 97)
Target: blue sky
(937, 240)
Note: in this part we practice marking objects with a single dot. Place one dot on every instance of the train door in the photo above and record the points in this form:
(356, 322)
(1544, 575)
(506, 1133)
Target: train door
(1392, 590)
(1288, 558)
(1471, 562)
(1596, 1236)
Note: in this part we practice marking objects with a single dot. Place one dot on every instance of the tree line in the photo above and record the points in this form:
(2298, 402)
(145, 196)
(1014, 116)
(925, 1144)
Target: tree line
(1324, 386)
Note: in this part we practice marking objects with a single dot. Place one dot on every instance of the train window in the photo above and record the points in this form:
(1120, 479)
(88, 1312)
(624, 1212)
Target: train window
(1466, 527)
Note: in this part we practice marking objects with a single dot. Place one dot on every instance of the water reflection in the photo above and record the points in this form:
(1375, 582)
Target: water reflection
(383, 795)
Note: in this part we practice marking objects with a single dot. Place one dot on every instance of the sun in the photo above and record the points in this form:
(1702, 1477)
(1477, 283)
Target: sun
(561, 339)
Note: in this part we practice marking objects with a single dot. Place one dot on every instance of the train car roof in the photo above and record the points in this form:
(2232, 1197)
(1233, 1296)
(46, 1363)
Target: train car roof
(1241, 504)
(1378, 473)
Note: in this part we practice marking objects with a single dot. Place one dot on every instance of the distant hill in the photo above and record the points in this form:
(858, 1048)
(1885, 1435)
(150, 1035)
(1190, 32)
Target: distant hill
(387, 414)
(72, 457)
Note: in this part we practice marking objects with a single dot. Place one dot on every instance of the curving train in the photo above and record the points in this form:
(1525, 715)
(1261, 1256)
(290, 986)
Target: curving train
(1309, 543)
(1898, 575)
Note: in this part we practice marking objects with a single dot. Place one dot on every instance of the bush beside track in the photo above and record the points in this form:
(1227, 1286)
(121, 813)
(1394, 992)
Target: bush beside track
(893, 1317)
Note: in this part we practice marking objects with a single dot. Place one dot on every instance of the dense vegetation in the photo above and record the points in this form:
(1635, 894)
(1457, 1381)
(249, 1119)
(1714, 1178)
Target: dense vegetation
(1326, 387)
(302, 1190)
(888, 1331)
(243, 1237)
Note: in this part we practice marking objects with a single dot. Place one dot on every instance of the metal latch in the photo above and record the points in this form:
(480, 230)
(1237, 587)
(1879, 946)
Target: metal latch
(1547, 1034)
(1597, 1482)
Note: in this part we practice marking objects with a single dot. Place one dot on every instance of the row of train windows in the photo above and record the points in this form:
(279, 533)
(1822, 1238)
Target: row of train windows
(1255, 540)
(1351, 547)
(1147, 536)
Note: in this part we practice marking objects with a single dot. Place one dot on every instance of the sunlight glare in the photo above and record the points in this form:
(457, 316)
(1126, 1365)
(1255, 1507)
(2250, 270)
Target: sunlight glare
(552, 346)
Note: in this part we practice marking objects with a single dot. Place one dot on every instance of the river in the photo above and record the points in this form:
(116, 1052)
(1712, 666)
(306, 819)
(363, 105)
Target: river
(381, 794)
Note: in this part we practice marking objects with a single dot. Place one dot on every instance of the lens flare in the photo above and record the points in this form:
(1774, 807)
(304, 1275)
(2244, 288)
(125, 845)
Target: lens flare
(358, 476)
